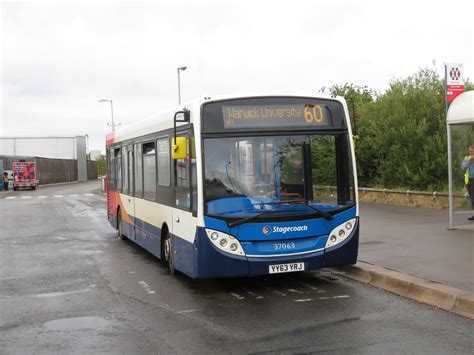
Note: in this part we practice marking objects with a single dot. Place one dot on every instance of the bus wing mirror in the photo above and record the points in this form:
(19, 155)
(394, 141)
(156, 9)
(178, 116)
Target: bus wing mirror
(179, 148)
(178, 145)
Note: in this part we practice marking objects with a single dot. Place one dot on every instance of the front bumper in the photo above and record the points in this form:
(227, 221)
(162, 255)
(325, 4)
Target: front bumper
(211, 262)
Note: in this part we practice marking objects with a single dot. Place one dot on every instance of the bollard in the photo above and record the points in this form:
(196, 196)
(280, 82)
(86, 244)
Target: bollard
(102, 183)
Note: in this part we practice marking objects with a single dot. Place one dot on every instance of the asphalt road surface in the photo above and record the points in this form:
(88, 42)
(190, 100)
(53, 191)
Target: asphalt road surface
(68, 285)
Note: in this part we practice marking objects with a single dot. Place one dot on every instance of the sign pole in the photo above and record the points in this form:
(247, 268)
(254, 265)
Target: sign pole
(454, 86)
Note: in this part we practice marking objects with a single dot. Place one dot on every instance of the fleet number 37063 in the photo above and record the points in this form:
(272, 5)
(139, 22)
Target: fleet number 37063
(284, 246)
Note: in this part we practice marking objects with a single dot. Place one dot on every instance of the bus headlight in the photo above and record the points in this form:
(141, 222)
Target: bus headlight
(340, 233)
(225, 242)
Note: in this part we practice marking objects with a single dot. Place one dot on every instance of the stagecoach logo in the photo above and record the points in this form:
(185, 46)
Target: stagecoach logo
(283, 230)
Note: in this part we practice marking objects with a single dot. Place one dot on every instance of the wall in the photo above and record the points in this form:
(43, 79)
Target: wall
(50, 171)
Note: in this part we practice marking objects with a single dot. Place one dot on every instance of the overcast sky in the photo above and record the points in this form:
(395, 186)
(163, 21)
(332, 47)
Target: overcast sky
(59, 58)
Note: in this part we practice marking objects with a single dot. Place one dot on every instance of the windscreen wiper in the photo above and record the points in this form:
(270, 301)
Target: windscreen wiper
(323, 213)
(249, 218)
(327, 216)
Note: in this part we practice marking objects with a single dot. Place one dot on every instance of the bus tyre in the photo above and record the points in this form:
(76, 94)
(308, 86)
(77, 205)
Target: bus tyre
(119, 225)
(168, 253)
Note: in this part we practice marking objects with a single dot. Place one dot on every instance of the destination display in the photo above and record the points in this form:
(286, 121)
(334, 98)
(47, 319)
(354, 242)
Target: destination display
(259, 116)
(272, 114)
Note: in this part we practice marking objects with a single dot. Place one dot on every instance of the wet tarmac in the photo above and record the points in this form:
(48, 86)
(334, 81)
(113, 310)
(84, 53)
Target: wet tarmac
(68, 285)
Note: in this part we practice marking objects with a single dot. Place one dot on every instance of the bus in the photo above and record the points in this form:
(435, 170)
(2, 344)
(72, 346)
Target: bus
(236, 186)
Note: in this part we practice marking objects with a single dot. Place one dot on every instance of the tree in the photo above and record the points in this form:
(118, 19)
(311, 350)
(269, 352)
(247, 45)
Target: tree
(408, 129)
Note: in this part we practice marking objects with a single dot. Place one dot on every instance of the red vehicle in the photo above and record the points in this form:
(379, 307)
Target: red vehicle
(24, 175)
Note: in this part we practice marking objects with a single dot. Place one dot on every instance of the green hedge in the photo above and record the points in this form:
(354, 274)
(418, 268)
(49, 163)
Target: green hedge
(402, 133)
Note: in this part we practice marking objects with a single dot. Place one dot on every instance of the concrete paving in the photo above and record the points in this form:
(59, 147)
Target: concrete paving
(417, 241)
(68, 285)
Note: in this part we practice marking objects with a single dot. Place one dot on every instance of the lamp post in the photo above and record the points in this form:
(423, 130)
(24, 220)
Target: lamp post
(111, 113)
(179, 84)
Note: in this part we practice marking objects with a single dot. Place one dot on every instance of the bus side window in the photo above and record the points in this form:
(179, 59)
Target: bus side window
(149, 171)
(118, 169)
(164, 168)
(193, 176)
(138, 171)
(181, 179)
(131, 173)
(124, 171)
(110, 169)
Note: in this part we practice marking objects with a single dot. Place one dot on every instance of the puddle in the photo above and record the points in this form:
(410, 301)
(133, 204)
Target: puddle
(77, 323)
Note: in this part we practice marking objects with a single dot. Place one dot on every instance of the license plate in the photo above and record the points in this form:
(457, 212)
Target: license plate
(280, 268)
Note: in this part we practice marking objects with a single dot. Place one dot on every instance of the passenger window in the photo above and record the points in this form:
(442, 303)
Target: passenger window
(138, 171)
(118, 169)
(186, 178)
(164, 170)
(149, 171)
(182, 182)
(125, 171)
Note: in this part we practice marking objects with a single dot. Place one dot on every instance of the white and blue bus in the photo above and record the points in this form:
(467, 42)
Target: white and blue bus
(237, 186)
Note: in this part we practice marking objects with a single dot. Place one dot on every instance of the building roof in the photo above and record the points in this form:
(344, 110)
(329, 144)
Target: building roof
(461, 110)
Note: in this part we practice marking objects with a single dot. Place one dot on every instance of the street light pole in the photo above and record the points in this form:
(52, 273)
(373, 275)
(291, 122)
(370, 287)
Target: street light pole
(179, 84)
(111, 114)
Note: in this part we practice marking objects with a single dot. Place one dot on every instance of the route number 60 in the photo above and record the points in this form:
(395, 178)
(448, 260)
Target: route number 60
(313, 113)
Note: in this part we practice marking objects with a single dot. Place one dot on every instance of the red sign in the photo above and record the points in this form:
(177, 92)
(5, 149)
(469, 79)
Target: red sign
(453, 91)
(454, 81)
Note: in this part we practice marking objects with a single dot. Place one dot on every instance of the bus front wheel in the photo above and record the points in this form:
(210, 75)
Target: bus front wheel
(168, 252)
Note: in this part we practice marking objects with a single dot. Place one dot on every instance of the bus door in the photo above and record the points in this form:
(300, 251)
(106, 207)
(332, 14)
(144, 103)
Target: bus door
(185, 186)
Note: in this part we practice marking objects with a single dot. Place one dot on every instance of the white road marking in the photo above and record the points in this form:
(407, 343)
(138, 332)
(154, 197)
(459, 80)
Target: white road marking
(294, 291)
(42, 196)
(146, 287)
(88, 194)
(187, 311)
(26, 197)
(10, 197)
(258, 297)
(312, 287)
(57, 196)
(131, 272)
(305, 300)
(73, 195)
(236, 295)
(320, 298)
(275, 291)
(56, 294)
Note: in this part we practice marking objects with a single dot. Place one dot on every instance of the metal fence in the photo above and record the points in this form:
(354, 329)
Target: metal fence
(408, 193)
(92, 170)
(51, 171)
